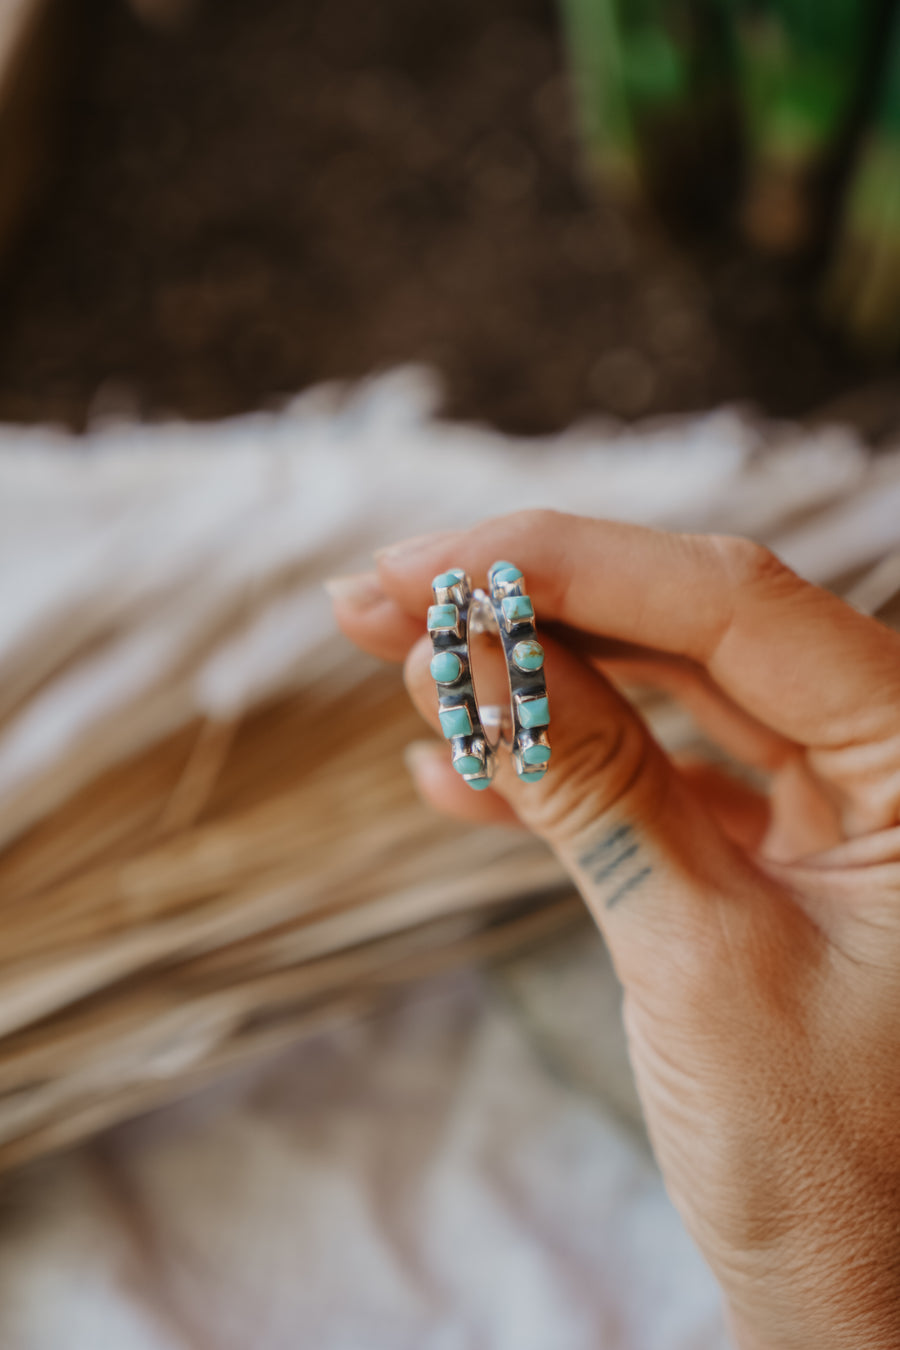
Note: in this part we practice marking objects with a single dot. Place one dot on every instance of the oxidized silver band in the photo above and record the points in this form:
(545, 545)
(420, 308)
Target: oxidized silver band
(506, 610)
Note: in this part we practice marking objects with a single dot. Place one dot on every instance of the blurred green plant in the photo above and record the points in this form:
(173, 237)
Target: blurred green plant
(640, 67)
(800, 69)
(864, 282)
(811, 89)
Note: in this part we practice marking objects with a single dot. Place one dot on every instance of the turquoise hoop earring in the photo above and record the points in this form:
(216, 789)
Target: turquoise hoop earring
(505, 610)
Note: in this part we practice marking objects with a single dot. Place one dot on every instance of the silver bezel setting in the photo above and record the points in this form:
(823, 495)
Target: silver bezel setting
(528, 737)
(521, 700)
(456, 630)
(458, 594)
(463, 667)
(525, 669)
(503, 589)
(476, 747)
(513, 625)
(460, 707)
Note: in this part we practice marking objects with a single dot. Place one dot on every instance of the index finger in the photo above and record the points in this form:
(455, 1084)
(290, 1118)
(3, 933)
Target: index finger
(795, 656)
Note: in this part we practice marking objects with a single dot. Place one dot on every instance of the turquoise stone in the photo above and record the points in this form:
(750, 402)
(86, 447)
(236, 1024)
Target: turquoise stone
(505, 576)
(479, 784)
(500, 566)
(528, 655)
(442, 617)
(536, 754)
(468, 764)
(444, 580)
(455, 722)
(445, 667)
(531, 777)
(534, 712)
(517, 608)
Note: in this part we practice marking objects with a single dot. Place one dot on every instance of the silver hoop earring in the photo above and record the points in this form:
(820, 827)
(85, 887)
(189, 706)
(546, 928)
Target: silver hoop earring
(477, 733)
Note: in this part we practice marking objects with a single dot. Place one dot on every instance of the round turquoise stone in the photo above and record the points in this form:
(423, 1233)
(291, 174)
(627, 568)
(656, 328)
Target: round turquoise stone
(505, 575)
(536, 754)
(479, 784)
(467, 764)
(445, 667)
(502, 566)
(531, 777)
(528, 655)
(447, 579)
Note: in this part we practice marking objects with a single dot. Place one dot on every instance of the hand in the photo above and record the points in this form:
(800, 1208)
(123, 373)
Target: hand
(757, 938)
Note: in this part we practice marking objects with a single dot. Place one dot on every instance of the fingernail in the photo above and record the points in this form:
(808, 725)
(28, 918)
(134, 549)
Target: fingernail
(420, 755)
(357, 590)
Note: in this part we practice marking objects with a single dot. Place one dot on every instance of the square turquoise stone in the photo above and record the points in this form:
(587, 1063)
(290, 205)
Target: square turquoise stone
(506, 576)
(534, 712)
(442, 618)
(499, 567)
(517, 609)
(455, 722)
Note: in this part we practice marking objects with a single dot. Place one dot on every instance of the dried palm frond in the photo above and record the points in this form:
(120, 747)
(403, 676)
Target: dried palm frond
(146, 948)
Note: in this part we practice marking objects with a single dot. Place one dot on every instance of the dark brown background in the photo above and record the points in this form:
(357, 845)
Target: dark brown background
(286, 191)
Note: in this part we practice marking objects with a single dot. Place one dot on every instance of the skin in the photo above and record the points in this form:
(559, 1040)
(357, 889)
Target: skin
(757, 936)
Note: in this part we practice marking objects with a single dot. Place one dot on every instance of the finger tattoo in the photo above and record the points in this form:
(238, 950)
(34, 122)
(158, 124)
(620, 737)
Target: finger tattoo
(614, 863)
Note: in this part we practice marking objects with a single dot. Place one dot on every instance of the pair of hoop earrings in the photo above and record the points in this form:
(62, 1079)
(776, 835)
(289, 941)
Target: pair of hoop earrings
(475, 733)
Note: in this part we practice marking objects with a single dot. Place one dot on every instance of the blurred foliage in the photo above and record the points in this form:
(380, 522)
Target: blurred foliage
(800, 97)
